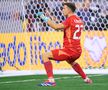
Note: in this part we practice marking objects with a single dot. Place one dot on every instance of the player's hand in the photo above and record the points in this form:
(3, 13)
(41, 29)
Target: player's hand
(39, 14)
(42, 16)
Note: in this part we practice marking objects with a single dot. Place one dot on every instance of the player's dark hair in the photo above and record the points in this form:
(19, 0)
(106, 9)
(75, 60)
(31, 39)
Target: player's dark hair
(71, 6)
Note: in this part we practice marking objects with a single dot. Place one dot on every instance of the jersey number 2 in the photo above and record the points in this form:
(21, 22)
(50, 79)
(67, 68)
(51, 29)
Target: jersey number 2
(80, 27)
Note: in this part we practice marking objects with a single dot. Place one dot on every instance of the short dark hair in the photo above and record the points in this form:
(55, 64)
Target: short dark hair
(71, 6)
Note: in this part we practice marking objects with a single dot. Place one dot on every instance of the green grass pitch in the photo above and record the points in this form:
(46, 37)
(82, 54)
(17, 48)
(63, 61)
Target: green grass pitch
(64, 82)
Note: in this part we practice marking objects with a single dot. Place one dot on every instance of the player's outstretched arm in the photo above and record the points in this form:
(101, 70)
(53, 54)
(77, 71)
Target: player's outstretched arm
(50, 22)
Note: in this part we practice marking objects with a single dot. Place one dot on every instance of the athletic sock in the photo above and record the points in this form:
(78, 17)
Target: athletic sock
(51, 80)
(79, 70)
(49, 70)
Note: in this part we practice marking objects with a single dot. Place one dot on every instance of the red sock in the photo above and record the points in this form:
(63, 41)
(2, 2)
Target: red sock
(79, 70)
(49, 69)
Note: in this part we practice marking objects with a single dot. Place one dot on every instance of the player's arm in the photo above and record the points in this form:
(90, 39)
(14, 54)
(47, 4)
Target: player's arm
(50, 22)
(54, 25)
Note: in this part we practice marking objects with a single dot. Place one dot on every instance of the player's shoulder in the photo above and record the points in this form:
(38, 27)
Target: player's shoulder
(77, 19)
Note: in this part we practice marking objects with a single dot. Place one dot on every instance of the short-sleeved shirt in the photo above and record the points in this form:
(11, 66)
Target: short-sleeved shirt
(71, 50)
(72, 32)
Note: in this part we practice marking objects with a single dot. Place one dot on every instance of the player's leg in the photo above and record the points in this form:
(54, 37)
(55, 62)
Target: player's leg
(49, 69)
(57, 54)
(79, 70)
(48, 65)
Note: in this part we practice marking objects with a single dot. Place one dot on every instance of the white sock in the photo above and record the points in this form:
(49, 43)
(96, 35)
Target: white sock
(86, 79)
(51, 80)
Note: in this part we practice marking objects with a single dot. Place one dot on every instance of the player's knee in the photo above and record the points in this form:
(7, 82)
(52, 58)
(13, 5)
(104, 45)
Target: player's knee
(44, 55)
(74, 63)
(71, 62)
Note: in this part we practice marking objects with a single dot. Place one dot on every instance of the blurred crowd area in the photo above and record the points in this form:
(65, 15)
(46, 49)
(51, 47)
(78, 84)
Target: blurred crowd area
(94, 13)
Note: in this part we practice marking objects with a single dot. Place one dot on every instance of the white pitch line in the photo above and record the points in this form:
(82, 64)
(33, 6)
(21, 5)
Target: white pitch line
(18, 81)
(30, 80)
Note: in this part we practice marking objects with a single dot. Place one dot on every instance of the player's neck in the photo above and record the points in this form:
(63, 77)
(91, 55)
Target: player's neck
(70, 14)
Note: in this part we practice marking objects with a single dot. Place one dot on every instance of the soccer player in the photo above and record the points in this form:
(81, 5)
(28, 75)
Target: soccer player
(71, 50)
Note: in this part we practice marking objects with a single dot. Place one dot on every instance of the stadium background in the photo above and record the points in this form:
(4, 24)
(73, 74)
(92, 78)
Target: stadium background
(24, 37)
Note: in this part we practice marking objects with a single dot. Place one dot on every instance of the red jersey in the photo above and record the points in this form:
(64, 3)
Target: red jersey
(72, 32)
(71, 44)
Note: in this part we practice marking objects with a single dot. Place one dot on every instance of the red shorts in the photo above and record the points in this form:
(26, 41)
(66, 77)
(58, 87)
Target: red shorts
(65, 54)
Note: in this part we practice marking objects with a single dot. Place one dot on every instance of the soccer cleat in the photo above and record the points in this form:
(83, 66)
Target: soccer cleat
(47, 83)
(88, 81)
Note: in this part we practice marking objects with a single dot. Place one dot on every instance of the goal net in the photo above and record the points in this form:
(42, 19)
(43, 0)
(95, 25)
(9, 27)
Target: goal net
(24, 37)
